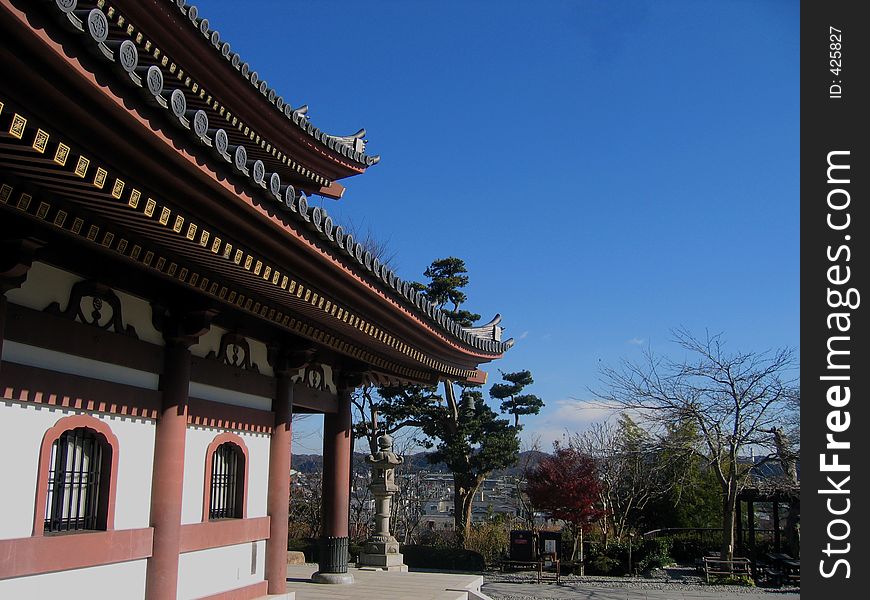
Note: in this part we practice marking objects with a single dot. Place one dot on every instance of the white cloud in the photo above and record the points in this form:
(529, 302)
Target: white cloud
(565, 418)
(523, 335)
(636, 341)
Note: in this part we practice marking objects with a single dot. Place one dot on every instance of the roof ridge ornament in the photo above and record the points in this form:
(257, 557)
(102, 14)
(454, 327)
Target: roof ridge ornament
(355, 142)
(488, 331)
(300, 114)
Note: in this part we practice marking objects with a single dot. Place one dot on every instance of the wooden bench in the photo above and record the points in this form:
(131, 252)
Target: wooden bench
(536, 565)
(780, 569)
(770, 574)
(721, 567)
(791, 571)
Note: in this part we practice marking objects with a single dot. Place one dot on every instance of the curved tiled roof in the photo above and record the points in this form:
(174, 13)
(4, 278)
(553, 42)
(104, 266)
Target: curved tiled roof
(149, 80)
(296, 116)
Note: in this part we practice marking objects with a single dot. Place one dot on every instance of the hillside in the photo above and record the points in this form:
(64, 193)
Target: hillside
(310, 463)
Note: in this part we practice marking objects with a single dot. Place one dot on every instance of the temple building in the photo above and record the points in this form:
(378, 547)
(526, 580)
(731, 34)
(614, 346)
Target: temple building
(169, 299)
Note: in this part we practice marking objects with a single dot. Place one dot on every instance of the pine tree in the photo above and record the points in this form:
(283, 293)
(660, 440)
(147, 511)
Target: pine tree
(513, 402)
(466, 433)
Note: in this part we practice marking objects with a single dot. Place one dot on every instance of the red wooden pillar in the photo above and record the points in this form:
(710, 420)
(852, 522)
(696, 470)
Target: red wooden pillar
(168, 479)
(337, 442)
(278, 501)
(336, 469)
(167, 482)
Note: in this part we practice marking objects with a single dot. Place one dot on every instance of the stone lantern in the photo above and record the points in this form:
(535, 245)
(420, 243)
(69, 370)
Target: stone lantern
(381, 550)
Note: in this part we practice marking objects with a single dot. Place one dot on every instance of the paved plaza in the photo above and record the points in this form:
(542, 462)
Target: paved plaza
(581, 591)
(381, 585)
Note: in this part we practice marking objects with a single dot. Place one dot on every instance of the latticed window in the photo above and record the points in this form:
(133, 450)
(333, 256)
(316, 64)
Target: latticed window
(227, 485)
(76, 498)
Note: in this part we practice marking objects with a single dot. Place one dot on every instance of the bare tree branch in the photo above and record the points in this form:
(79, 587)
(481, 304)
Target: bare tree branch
(733, 398)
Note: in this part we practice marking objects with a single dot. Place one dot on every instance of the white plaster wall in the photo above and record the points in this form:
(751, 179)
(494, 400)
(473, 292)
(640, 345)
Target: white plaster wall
(258, 355)
(219, 569)
(258, 472)
(135, 467)
(211, 342)
(196, 444)
(35, 356)
(224, 396)
(107, 582)
(46, 284)
(23, 430)
(137, 312)
(24, 426)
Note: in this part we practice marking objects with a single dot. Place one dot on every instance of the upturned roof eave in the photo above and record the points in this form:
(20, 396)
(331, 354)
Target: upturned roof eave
(225, 71)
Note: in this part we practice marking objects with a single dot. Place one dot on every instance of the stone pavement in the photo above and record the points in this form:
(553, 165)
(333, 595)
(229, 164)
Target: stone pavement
(381, 585)
(580, 591)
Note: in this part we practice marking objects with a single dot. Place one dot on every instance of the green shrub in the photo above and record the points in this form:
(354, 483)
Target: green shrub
(661, 545)
(652, 554)
(743, 580)
(686, 549)
(441, 557)
(307, 546)
(605, 565)
(612, 560)
(645, 555)
(490, 540)
(438, 537)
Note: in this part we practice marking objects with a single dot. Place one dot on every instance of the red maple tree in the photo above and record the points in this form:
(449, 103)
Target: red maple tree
(565, 485)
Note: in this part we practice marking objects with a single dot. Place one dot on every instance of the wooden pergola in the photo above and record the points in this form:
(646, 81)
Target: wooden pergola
(752, 497)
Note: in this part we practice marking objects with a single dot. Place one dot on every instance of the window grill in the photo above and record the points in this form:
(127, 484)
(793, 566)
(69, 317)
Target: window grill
(226, 488)
(75, 499)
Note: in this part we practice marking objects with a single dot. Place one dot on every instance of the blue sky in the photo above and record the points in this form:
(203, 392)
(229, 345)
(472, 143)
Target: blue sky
(607, 170)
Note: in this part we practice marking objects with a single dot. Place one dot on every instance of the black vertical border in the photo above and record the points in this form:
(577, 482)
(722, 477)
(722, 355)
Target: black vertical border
(834, 124)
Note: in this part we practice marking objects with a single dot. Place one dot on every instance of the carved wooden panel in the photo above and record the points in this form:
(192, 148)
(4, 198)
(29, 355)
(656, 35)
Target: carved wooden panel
(314, 377)
(235, 351)
(94, 304)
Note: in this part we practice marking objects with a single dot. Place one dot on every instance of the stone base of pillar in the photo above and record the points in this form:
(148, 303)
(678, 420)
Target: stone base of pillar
(334, 578)
(333, 561)
(389, 562)
(382, 553)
